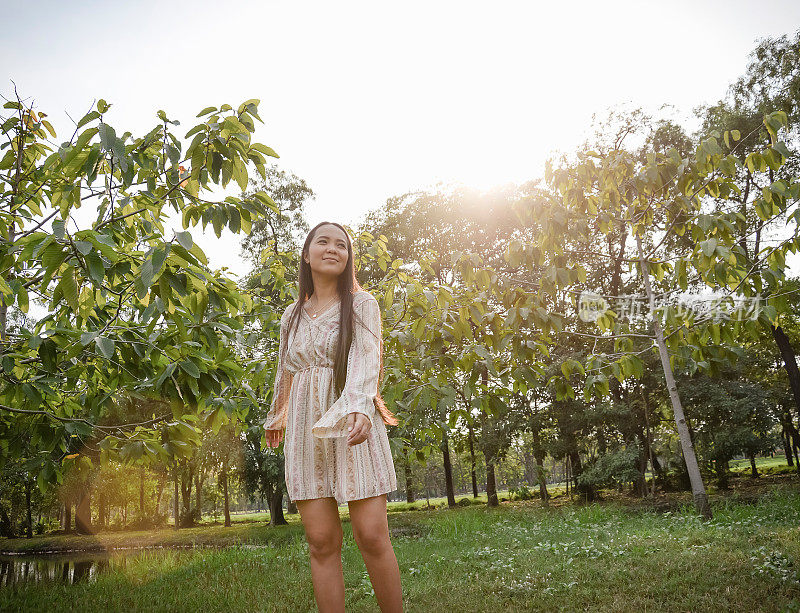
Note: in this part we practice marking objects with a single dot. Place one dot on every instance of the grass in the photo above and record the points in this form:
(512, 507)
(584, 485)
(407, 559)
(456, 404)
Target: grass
(616, 556)
(246, 528)
(253, 527)
(767, 465)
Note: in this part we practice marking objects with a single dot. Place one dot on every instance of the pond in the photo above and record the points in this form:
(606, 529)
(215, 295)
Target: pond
(64, 568)
(75, 566)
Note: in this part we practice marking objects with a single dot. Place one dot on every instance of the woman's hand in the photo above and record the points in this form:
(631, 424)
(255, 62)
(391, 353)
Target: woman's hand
(274, 437)
(358, 426)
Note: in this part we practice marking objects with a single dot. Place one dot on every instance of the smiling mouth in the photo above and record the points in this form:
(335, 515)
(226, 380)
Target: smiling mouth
(329, 260)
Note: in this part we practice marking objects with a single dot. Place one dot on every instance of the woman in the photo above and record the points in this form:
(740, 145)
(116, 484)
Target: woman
(326, 397)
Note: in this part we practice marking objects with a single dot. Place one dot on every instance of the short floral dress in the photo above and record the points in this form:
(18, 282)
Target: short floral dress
(319, 462)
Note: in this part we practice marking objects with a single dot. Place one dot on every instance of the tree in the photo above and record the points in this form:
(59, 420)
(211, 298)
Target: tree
(130, 310)
(664, 193)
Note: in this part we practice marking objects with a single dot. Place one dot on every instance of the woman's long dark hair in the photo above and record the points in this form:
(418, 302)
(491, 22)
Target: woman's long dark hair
(347, 287)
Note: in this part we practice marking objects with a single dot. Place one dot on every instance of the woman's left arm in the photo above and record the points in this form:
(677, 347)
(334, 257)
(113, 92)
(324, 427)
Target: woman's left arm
(363, 364)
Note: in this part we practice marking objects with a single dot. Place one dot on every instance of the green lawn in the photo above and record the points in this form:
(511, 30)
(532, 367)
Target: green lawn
(761, 463)
(612, 556)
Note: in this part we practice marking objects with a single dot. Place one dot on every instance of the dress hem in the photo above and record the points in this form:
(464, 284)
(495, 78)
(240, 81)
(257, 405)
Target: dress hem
(341, 502)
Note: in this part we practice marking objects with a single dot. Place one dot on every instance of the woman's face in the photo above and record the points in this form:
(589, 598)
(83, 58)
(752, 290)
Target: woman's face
(327, 251)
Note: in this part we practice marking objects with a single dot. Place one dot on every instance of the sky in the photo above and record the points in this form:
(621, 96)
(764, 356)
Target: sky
(366, 100)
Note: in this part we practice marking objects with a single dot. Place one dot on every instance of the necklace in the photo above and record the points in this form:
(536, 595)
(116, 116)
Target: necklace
(316, 310)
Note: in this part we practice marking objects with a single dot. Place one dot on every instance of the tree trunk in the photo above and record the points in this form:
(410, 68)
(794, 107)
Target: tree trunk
(491, 484)
(6, 529)
(83, 512)
(648, 441)
(68, 517)
(409, 476)
(448, 471)
(186, 492)
(795, 446)
(198, 487)
(587, 493)
(539, 455)
(698, 488)
(175, 510)
(159, 493)
(141, 491)
(28, 522)
(641, 485)
(472, 461)
(789, 363)
(753, 469)
(101, 511)
(721, 468)
(792, 438)
(540, 473)
(460, 489)
(224, 477)
(787, 446)
(276, 517)
(529, 468)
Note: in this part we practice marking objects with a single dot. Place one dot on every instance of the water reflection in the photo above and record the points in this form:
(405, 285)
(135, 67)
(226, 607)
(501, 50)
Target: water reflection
(74, 567)
(70, 568)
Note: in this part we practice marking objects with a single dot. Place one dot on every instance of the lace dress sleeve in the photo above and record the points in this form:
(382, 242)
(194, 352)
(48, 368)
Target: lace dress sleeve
(363, 363)
(279, 407)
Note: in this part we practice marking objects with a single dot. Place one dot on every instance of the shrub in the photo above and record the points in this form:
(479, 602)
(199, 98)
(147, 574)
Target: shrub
(615, 467)
(147, 522)
(521, 493)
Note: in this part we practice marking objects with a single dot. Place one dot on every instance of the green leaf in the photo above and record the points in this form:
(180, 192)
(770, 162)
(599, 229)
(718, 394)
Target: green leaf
(97, 271)
(146, 276)
(197, 252)
(159, 256)
(164, 375)
(105, 346)
(22, 298)
(90, 116)
(84, 247)
(48, 352)
(709, 246)
(218, 220)
(781, 148)
(88, 337)
(107, 136)
(240, 173)
(264, 149)
(185, 239)
(190, 368)
(174, 155)
(235, 223)
(69, 288)
(206, 111)
(58, 229)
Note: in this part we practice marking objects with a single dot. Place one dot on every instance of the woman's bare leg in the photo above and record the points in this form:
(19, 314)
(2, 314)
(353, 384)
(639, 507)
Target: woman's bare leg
(371, 532)
(323, 529)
